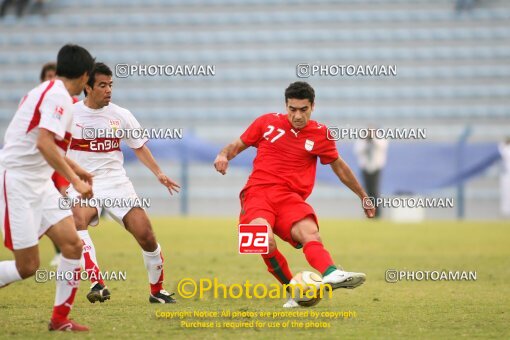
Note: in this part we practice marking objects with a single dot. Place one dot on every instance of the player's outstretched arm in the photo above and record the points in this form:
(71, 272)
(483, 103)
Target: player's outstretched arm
(345, 174)
(145, 156)
(227, 153)
(46, 145)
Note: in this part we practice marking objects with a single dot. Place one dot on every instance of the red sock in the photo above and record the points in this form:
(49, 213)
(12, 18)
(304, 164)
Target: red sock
(89, 260)
(317, 256)
(66, 288)
(92, 269)
(154, 264)
(156, 287)
(61, 312)
(278, 266)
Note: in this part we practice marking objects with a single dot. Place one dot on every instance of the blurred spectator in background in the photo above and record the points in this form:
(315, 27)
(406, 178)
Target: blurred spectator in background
(371, 154)
(48, 72)
(465, 5)
(38, 7)
(20, 6)
(504, 149)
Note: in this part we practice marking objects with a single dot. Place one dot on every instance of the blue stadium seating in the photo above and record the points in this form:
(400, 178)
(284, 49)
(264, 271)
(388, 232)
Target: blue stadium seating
(446, 61)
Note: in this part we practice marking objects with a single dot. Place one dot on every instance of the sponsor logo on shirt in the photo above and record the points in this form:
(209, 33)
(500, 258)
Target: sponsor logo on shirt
(59, 111)
(96, 145)
(104, 145)
(115, 124)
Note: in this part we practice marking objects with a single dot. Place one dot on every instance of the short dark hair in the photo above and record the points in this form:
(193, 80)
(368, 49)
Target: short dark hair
(73, 61)
(99, 68)
(51, 66)
(300, 90)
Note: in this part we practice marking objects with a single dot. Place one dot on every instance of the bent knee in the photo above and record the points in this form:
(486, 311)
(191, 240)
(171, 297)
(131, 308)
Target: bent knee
(260, 220)
(83, 216)
(312, 236)
(28, 267)
(305, 236)
(81, 223)
(72, 249)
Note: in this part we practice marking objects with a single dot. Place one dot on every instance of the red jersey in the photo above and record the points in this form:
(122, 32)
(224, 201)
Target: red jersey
(287, 156)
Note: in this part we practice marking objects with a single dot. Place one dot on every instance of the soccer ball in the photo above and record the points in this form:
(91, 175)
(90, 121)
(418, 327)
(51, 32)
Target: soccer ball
(300, 284)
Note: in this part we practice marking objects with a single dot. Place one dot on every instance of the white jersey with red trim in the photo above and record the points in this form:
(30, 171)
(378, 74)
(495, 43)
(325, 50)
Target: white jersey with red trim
(47, 106)
(99, 155)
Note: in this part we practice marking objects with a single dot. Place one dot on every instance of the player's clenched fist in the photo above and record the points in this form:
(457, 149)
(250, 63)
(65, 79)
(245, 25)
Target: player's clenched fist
(221, 164)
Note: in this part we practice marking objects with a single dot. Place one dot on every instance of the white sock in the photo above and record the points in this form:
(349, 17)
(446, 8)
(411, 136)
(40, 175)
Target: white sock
(88, 259)
(154, 265)
(67, 285)
(8, 273)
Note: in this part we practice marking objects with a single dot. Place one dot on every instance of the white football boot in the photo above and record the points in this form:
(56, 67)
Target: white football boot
(291, 303)
(342, 279)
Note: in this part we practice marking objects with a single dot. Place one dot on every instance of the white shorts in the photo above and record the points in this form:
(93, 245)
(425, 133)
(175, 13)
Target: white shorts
(28, 208)
(106, 189)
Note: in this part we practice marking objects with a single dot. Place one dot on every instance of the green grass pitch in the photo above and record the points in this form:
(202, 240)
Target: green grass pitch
(207, 248)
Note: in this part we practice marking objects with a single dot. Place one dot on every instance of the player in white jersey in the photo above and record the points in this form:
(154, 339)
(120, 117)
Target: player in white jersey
(34, 146)
(102, 157)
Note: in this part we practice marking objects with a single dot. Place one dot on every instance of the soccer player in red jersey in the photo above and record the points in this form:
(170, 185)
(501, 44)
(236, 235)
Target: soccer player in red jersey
(283, 176)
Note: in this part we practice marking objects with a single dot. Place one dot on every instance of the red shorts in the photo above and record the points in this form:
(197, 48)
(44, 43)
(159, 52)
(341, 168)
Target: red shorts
(278, 205)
